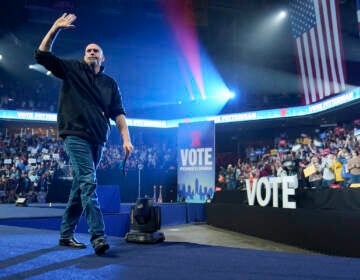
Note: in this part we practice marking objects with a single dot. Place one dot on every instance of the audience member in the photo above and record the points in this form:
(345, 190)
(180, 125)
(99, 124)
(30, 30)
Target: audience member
(353, 165)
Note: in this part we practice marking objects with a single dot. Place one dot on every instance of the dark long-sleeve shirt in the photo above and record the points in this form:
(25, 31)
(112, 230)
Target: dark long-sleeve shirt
(87, 100)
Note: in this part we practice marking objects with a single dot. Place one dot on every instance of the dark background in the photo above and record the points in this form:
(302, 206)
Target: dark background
(143, 56)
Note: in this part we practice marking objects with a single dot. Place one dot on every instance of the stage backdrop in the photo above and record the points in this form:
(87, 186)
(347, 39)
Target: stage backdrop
(196, 161)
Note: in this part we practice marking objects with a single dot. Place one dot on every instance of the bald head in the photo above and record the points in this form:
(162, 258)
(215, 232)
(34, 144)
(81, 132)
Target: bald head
(94, 56)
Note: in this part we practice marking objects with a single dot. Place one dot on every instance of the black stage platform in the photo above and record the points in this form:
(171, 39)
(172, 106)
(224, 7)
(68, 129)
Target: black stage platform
(326, 220)
(332, 199)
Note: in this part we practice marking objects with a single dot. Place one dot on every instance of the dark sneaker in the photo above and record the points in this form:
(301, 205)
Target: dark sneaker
(100, 246)
(71, 242)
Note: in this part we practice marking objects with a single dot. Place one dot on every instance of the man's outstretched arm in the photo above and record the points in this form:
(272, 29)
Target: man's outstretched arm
(63, 22)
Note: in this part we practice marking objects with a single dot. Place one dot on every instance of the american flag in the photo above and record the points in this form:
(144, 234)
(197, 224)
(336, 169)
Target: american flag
(318, 44)
(358, 14)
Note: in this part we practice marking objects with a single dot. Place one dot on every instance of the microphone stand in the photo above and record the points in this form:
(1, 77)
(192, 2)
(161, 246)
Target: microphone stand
(140, 167)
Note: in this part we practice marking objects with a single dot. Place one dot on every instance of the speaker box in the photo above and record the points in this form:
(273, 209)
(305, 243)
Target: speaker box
(21, 201)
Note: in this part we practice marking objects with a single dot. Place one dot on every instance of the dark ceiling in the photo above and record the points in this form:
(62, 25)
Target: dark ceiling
(142, 54)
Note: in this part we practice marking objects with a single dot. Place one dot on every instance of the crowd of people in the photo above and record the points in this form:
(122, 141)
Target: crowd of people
(148, 156)
(328, 159)
(27, 165)
(29, 162)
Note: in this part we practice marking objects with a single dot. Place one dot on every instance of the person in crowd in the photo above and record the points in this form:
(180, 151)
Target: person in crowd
(315, 179)
(343, 157)
(290, 167)
(230, 177)
(87, 100)
(221, 184)
(3, 192)
(279, 170)
(24, 184)
(303, 162)
(266, 169)
(336, 168)
(353, 165)
(241, 176)
(326, 165)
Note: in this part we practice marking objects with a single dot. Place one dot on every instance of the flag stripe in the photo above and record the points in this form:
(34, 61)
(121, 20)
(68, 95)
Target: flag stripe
(316, 64)
(329, 44)
(320, 38)
(339, 54)
(318, 47)
(322, 25)
(308, 62)
(333, 45)
(358, 14)
(302, 69)
(342, 55)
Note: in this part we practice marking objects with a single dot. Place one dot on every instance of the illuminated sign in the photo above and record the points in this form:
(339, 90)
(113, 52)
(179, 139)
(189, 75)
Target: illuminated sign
(299, 111)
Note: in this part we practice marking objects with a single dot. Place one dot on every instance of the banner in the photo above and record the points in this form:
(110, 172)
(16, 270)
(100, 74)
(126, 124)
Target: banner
(196, 161)
(358, 14)
(319, 53)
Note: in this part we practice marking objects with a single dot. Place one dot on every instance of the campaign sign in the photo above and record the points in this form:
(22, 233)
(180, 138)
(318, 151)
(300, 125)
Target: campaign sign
(196, 161)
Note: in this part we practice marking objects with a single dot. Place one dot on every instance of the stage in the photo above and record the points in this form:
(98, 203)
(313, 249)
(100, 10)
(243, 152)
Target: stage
(326, 220)
(190, 251)
(117, 223)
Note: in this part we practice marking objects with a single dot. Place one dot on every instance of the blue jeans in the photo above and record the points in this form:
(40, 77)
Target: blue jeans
(84, 159)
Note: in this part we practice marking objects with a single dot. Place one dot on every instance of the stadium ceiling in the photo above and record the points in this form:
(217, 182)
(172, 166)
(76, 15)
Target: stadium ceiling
(222, 26)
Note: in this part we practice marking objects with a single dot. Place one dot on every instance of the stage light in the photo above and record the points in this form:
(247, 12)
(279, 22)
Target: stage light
(282, 15)
(40, 68)
(227, 94)
(145, 221)
(1, 56)
(230, 95)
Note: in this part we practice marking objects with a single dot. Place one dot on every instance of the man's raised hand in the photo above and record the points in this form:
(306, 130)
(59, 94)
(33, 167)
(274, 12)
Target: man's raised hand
(65, 21)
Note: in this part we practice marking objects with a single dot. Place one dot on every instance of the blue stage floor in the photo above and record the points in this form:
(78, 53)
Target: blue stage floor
(9, 211)
(33, 253)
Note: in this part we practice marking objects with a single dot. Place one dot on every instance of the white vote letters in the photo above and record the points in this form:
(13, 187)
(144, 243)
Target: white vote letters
(199, 156)
(271, 186)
